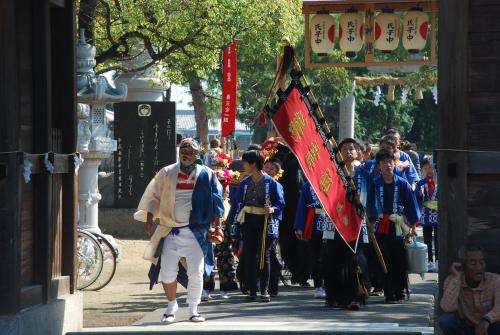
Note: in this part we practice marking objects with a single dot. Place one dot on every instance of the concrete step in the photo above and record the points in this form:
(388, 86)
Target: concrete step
(276, 327)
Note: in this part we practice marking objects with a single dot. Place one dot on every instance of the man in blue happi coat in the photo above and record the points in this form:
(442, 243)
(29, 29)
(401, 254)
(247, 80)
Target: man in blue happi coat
(391, 204)
(256, 210)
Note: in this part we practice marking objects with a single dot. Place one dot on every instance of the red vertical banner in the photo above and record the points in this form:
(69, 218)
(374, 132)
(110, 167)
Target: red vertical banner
(296, 127)
(229, 85)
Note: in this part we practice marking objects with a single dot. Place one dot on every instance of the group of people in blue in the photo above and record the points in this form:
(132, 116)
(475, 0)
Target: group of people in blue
(276, 221)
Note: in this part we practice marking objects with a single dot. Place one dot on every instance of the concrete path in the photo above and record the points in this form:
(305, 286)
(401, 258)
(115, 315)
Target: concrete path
(295, 310)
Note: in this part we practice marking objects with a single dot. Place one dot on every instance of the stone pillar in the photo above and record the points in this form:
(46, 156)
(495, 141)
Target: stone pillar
(346, 115)
(88, 191)
(94, 141)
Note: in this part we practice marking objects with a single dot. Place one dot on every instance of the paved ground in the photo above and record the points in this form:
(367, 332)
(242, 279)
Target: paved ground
(296, 304)
(127, 301)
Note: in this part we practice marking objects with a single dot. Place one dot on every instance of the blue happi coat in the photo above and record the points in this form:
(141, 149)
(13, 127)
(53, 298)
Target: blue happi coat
(410, 172)
(429, 217)
(309, 199)
(370, 167)
(206, 204)
(402, 201)
(273, 191)
(362, 181)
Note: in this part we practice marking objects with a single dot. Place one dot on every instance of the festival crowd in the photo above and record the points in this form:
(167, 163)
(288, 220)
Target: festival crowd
(258, 220)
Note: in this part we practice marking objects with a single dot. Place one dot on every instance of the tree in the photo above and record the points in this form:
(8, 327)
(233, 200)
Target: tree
(184, 38)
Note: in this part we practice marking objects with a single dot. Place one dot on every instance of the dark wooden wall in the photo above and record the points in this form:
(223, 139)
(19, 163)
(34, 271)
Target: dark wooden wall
(37, 116)
(469, 124)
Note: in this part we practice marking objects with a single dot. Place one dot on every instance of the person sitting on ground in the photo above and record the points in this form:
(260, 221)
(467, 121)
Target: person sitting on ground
(471, 296)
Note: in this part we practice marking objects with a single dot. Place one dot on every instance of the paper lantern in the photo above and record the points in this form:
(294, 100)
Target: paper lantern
(322, 33)
(386, 31)
(351, 33)
(415, 29)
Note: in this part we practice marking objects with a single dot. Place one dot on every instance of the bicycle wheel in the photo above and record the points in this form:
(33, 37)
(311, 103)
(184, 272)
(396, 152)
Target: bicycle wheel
(90, 259)
(109, 263)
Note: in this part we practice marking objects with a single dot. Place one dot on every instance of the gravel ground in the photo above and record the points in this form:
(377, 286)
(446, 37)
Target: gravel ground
(127, 297)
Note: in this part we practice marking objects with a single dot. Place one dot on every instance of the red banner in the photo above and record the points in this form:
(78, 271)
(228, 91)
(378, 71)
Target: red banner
(298, 130)
(229, 84)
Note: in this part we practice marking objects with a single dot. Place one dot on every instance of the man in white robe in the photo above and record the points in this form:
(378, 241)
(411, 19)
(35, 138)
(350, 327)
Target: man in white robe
(187, 199)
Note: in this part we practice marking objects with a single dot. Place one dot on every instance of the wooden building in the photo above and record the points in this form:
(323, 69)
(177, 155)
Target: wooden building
(37, 129)
(469, 128)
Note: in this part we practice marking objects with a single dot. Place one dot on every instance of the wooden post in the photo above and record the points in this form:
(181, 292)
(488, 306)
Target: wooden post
(370, 33)
(453, 112)
(42, 117)
(64, 82)
(10, 231)
(433, 36)
(307, 41)
(9, 89)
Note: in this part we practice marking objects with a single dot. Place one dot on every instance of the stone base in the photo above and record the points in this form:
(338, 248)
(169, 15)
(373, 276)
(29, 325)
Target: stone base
(55, 318)
(120, 223)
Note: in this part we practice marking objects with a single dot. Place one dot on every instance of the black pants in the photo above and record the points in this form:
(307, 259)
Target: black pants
(394, 256)
(316, 255)
(252, 239)
(288, 243)
(275, 270)
(209, 282)
(428, 241)
(241, 275)
(363, 264)
(375, 274)
(341, 268)
(294, 253)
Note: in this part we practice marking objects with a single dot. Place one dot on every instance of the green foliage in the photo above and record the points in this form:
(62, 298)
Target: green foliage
(416, 120)
(424, 131)
(187, 36)
(257, 50)
(372, 121)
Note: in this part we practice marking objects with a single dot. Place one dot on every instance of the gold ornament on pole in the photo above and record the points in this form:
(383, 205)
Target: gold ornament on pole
(418, 94)
(390, 93)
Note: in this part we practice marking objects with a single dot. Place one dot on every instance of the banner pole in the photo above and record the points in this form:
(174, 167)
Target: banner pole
(376, 246)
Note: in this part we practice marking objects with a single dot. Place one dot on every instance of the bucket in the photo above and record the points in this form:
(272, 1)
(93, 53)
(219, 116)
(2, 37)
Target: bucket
(416, 257)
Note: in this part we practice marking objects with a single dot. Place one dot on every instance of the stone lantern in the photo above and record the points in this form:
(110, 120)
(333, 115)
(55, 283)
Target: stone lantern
(94, 135)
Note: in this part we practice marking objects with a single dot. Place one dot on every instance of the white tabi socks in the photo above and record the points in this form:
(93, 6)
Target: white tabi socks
(169, 315)
(193, 314)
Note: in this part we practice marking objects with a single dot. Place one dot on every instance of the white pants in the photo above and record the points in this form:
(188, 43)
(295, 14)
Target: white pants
(183, 245)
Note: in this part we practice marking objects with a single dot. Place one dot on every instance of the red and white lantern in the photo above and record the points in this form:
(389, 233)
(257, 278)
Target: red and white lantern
(415, 30)
(387, 31)
(322, 33)
(351, 34)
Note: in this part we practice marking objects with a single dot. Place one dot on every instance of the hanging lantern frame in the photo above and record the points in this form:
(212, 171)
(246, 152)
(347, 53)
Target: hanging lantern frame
(369, 7)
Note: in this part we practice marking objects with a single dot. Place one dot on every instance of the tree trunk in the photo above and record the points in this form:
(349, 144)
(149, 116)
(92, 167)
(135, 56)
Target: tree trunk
(200, 109)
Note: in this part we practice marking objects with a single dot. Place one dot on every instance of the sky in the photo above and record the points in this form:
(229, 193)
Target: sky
(181, 96)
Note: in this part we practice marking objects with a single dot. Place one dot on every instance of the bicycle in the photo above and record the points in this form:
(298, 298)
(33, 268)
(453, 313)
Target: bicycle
(97, 259)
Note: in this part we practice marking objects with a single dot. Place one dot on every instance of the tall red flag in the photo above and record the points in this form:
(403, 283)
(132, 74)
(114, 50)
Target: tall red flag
(229, 84)
(298, 129)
